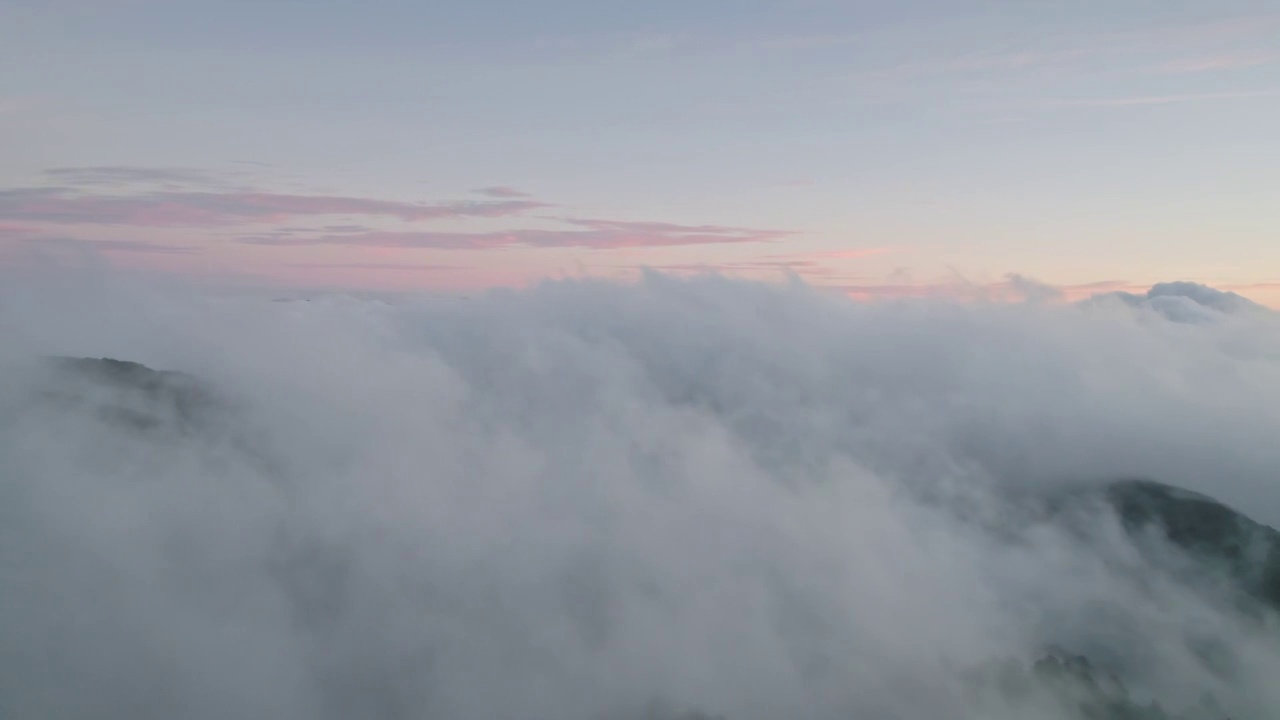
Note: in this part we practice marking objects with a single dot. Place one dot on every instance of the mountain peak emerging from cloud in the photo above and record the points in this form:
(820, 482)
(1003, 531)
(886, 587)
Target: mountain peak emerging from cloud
(1184, 301)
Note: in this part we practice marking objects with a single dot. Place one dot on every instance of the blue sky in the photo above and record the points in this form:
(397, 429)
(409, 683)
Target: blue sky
(877, 146)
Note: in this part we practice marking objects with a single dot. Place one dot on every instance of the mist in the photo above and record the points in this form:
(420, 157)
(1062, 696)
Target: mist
(591, 499)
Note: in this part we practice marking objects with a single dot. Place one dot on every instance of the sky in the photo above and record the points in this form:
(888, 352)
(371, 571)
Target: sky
(878, 148)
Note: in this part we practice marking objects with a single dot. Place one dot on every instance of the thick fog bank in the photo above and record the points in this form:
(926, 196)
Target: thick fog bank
(594, 500)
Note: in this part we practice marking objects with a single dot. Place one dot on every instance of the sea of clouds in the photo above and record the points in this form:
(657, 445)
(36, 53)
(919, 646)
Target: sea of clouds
(597, 500)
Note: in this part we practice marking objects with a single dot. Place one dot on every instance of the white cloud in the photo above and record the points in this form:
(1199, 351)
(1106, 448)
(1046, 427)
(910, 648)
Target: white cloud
(556, 502)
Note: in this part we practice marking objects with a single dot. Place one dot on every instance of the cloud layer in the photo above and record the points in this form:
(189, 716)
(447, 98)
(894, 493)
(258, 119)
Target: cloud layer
(566, 502)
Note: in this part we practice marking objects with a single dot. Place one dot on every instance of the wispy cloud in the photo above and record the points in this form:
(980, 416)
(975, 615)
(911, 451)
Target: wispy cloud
(1222, 44)
(1040, 48)
(347, 228)
(624, 227)
(822, 267)
(126, 174)
(1232, 29)
(979, 61)
(217, 209)
(811, 41)
(1217, 62)
(107, 246)
(588, 234)
(1013, 288)
(16, 105)
(400, 267)
(11, 230)
(847, 254)
(800, 267)
(1140, 100)
(502, 191)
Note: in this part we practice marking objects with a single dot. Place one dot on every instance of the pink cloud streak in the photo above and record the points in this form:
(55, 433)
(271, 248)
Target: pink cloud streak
(12, 229)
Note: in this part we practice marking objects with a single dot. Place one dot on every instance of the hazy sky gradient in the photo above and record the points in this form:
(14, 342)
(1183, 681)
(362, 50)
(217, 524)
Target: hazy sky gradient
(886, 147)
